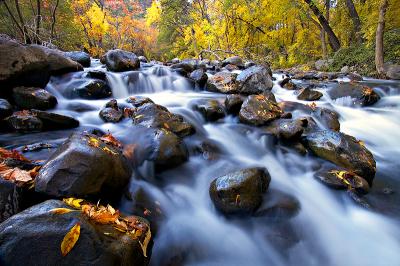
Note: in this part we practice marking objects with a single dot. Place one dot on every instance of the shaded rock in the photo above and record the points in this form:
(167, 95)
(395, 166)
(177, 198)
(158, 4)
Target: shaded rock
(240, 192)
(53, 121)
(30, 65)
(269, 96)
(88, 89)
(344, 151)
(96, 74)
(41, 232)
(34, 98)
(169, 150)
(24, 122)
(278, 206)
(111, 113)
(360, 95)
(286, 129)
(138, 101)
(80, 57)
(355, 77)
(234, 60)
(10, 196)
(233, 103)
(157, 116)
(393, 71)
(223, 82)
(200, 77)
(254, 80)
(209, 150)
(307, 94)
(185, 67)
(80, 107)
(211, 110)
(118, 60)
(257, 110)
(6, 109)
(70, 172)
(340, 179)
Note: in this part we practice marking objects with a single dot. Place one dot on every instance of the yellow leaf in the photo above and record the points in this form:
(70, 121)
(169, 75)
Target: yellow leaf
(145, 242)
(70, 239)
(76, 203)
(60, 210)
(109, 151)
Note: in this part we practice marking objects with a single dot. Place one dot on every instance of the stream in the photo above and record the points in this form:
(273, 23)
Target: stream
(326, 228)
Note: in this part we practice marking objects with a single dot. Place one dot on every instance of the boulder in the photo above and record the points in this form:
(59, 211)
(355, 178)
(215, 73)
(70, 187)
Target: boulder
(231, 67)
(240, 192)
(344, 151)
(286, 129)
(223, 82)
(157, 116)
(138, 101)
(168, 151)
(70, 170)
(90, 89)
(38, 232)
(258, 111)
(322, 65)
(24, 122)
(6, 109)
(393, 71)
(307, 94)
(30, 65)
(118, 60)
(341, 179)
(96, 74)
(233, 103)
(34, 98)
(355, 77)
(200, 77)
(254, 80)
(53, 121)
(361, 95)
(10, 195)
(234, 60)
(211, 110)
(269, 96)
(111, 112)
(80, 57)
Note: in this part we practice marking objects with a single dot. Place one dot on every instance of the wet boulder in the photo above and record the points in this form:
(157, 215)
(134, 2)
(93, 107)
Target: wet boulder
(208, 149)
(223, 82)
(118, 60)
(254, 80)
(269, 96)
(278, 206)
(344, 151)
(211, 110)
(53, 121)
(111, 112)
(360, 95)
(287, 129)
(41, 232)
(10, 195)
(84, 165)
(240, 192)
(80, 57)
(157, 116)
(138, 101)
(234, 60)
(168, 150)
(34, 98)
(24, 122)
(90, 89)
(6, 109)
(30, 65)
(342, 179)
(199, 77)
(233, 103)
(308, 94)
(258, 111)
(96, 74)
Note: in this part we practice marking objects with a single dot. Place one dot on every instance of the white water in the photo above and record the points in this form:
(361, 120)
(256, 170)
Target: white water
(332, 230)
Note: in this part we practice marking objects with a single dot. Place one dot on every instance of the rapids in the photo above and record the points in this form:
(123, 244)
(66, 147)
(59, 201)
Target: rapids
(330, 229)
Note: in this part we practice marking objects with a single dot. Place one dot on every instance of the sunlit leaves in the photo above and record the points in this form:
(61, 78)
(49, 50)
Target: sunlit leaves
(70, 239)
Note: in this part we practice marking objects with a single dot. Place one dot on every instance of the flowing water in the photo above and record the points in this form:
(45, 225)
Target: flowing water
(329, 228)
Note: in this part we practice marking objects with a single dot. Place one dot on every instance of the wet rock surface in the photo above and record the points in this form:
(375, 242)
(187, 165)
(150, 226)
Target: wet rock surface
(309, 95)
(212, 110)
(233, 103)
(360, 95)
(118, 60)
(80, 57)
(257, 110)
(41, 232)
(70, 171)
(88, 89)
(254, 80)
(34, 98)
(223, 82)
(240, 192)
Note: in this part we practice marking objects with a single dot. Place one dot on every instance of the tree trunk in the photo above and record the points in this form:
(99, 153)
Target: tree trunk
(21, 19)
(333, 39)
(38, 19)
(379, 61)
(53, 20)
(356, 19)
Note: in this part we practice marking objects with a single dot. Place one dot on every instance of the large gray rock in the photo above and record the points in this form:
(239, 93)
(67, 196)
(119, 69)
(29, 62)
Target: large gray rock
(223, 82)
(240, 192)
(34, 237)
(307, 94)
(211, 109)
(344, 151)
(80, 57)
(393, 71)
(54, 121)
(118, 60)
(254, 80)
(258, 111)
(34, 98)
(360, 95)
(24, 122)
(30, 65)
(234, 60)
(82, 166)
(90, 89)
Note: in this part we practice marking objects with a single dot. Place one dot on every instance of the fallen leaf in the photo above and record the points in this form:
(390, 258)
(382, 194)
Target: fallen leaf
(100, 214)
(109, 151)
(94, 142)
(16, 175)
(70, 239)
(110, 139)
(145, 242)
(75, 203)
(5, 154)
(60, 210)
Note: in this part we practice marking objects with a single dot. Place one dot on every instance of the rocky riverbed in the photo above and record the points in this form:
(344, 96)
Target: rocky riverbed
(193, 162)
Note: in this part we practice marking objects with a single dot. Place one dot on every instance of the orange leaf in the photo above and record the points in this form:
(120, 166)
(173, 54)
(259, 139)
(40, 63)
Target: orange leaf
(110, 139)
(4, 154)
(16, 175)
(60, 210)
(70, 239)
